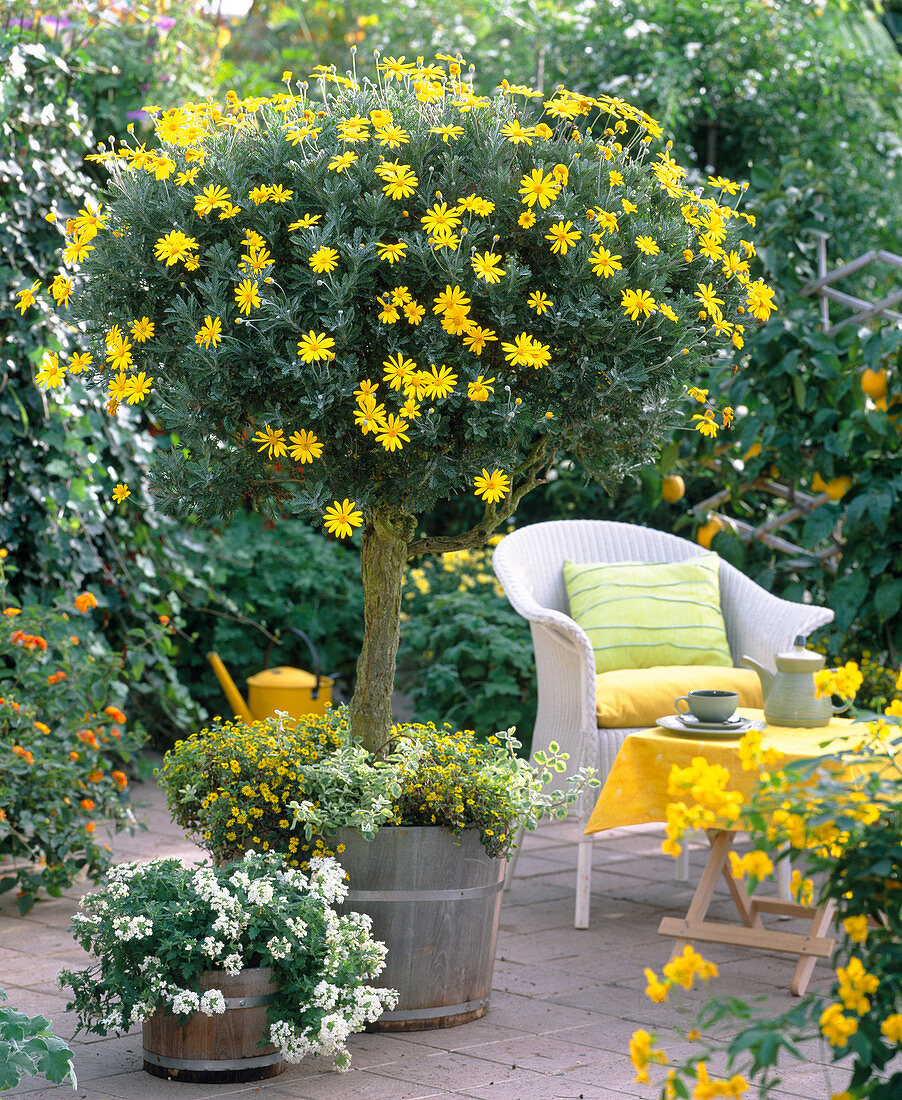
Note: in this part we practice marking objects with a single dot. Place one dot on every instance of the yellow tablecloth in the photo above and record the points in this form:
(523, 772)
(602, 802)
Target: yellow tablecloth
(635, 791)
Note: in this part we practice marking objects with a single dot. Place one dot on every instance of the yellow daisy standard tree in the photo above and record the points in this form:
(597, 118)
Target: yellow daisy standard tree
(357, 298)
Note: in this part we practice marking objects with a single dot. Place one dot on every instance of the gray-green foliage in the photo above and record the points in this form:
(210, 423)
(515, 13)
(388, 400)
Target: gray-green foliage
(29, 1048)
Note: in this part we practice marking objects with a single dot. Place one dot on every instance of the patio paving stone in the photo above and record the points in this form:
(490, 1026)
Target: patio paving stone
(564, 1005)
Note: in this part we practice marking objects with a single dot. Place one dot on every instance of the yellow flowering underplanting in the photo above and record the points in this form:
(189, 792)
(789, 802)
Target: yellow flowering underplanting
(248, 775)
(286, 784)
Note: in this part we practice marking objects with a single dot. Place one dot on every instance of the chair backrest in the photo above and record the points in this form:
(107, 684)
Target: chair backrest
(536, 554)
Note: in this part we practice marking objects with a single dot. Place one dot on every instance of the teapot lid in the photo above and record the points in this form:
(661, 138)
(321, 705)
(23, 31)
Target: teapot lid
(799, 659)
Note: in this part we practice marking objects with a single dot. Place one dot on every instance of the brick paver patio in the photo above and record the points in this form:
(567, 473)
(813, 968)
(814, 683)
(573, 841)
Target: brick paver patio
(565, 1002)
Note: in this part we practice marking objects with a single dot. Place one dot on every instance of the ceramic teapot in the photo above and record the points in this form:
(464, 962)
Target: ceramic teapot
(789, 695)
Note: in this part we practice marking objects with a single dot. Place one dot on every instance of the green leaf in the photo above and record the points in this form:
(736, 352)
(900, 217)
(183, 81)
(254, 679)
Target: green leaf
(820, 523)
(888, 598)
(847, 596)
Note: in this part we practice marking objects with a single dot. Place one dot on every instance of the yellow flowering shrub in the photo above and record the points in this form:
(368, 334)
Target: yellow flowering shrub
(710, 805)
(359, 245)
(838, 816)
(360, 297)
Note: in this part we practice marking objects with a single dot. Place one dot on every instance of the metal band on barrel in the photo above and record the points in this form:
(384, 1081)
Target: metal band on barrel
(249, 1002)
(471, 892)
(219, 1064)
(435, 1013)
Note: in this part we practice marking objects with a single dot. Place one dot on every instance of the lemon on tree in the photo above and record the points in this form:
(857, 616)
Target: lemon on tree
(873, 382)
(704, 536)
(836, 489)
(673, 488)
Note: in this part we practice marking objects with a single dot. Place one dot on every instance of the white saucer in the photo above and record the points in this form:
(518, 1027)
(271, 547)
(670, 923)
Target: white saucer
(673, 723)
(691, 722)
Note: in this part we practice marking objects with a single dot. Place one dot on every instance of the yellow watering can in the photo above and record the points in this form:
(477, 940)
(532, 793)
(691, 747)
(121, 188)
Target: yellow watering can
(283, 688)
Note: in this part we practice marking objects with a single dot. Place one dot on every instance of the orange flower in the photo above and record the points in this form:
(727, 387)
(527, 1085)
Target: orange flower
(90, 827)
(85, 601)
(73, 638)
(89, 737)
(2, 814)
(55, 677)
(119, 778)
(164, 619)
(95, 776)
(115, 713)
(88, 803)
(73, 755)
(10, 611)
(24, 753)
(42, 727)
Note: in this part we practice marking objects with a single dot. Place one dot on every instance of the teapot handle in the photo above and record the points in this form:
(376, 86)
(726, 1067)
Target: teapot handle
(842, 707)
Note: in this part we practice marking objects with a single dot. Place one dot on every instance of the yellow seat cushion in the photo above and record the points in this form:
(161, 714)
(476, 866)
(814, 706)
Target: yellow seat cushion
(640, 696)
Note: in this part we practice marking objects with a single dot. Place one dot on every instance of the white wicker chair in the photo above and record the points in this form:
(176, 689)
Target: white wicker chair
(529, 564)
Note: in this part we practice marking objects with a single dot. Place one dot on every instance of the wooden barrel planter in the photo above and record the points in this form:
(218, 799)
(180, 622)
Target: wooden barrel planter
(435, 900)
(217, 1049)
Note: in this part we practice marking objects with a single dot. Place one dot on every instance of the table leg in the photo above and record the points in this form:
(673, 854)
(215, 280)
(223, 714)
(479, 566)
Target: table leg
(721, 843)
(823, 918)
(752, 933)
(742, 901)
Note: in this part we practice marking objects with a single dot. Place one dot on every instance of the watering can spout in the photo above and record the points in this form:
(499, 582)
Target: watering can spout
(236, 701)
(764, 675)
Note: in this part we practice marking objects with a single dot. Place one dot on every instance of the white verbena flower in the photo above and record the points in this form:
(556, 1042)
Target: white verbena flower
(132, 928)
(298, 926)
(278, 948)
(212, 1003)
(233, 964)
(260, 893)
(184, 1002)
(212, 947)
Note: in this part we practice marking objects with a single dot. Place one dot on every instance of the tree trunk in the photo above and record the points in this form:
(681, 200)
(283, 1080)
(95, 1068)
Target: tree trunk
(383, 560)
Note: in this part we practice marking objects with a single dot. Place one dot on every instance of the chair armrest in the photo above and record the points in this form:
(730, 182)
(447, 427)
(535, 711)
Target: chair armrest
(760, 624)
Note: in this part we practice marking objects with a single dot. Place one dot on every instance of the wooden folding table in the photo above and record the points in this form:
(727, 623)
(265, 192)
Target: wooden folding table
(635, 792)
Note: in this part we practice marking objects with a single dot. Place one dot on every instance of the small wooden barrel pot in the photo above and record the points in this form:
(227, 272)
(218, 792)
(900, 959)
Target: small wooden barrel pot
(435, 900)
(217, 1049)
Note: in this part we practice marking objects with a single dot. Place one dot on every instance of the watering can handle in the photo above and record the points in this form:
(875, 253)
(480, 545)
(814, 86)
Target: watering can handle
(314, 653)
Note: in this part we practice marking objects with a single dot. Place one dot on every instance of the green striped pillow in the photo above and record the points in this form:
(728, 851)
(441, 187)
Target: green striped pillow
(644, 614)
